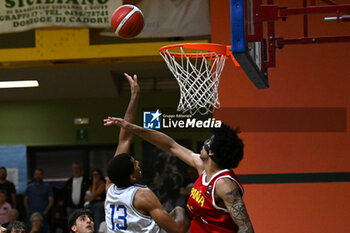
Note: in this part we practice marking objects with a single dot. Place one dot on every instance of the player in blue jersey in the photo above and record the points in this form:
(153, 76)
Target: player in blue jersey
(130, 207)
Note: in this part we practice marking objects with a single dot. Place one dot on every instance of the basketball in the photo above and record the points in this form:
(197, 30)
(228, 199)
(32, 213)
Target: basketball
(127, 21)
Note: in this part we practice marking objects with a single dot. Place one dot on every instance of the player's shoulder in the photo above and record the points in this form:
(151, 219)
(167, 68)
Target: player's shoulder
(145, 197)
(143, 190)
(226, 180)
(226, 185)
(145, 200)
(112, 188)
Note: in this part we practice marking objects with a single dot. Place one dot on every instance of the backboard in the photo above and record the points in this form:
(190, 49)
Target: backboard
(248, 43)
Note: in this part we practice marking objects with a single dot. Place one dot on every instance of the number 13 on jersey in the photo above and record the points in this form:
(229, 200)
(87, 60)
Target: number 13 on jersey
(121, 213)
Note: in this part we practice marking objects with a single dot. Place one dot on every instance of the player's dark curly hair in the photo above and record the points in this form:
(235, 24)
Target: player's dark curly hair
(119, 170)
(226, 146)
(76, 214)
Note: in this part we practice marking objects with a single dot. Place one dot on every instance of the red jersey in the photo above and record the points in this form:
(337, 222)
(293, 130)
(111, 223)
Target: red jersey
(205, 215)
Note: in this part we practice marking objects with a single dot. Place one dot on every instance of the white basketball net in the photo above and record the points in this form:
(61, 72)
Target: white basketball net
(198, 79)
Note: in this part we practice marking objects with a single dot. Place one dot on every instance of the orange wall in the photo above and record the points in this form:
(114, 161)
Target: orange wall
(299, 208)
(305, 76)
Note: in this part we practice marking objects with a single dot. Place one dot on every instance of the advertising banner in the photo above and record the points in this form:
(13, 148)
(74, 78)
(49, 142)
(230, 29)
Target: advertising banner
(21, 15)
(163, 18)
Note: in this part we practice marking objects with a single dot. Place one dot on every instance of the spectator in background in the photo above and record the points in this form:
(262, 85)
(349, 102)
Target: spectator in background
(16, 227)
(38, 196)
(37, 224)
(95, 196)
(81, 221)
(8, 186)
(190, 178)
(58, 223)
(12, 217)
(75, 189)
(5, 208)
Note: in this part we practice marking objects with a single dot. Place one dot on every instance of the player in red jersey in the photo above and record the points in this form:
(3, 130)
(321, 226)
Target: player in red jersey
(215, 203)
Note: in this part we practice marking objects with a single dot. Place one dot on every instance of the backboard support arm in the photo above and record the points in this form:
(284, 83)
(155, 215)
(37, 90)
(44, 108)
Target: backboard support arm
(269, 13)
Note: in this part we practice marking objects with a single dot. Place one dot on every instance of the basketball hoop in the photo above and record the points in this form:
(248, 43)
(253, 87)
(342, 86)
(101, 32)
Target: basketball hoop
(197, 68)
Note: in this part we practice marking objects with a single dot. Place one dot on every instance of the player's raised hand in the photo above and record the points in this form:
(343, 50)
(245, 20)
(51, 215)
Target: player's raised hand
(134, 86)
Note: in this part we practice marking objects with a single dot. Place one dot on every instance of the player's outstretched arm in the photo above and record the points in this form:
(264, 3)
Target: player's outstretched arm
(125, 136)
(228, 191)
(147, 202)
(160, 140)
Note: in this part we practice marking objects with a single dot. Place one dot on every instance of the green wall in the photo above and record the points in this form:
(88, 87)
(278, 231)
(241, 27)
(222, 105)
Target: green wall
(50, 122)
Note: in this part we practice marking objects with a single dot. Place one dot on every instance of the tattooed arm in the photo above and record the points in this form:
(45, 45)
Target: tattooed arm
(228, 192)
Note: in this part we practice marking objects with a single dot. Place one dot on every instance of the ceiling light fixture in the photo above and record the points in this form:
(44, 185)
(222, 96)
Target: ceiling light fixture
(19, 84)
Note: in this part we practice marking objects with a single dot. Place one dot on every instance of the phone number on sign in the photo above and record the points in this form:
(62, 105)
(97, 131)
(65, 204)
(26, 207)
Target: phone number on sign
(86, 13)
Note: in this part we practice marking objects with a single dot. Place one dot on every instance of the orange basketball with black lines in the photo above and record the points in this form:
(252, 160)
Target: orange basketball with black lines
(127, 21)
